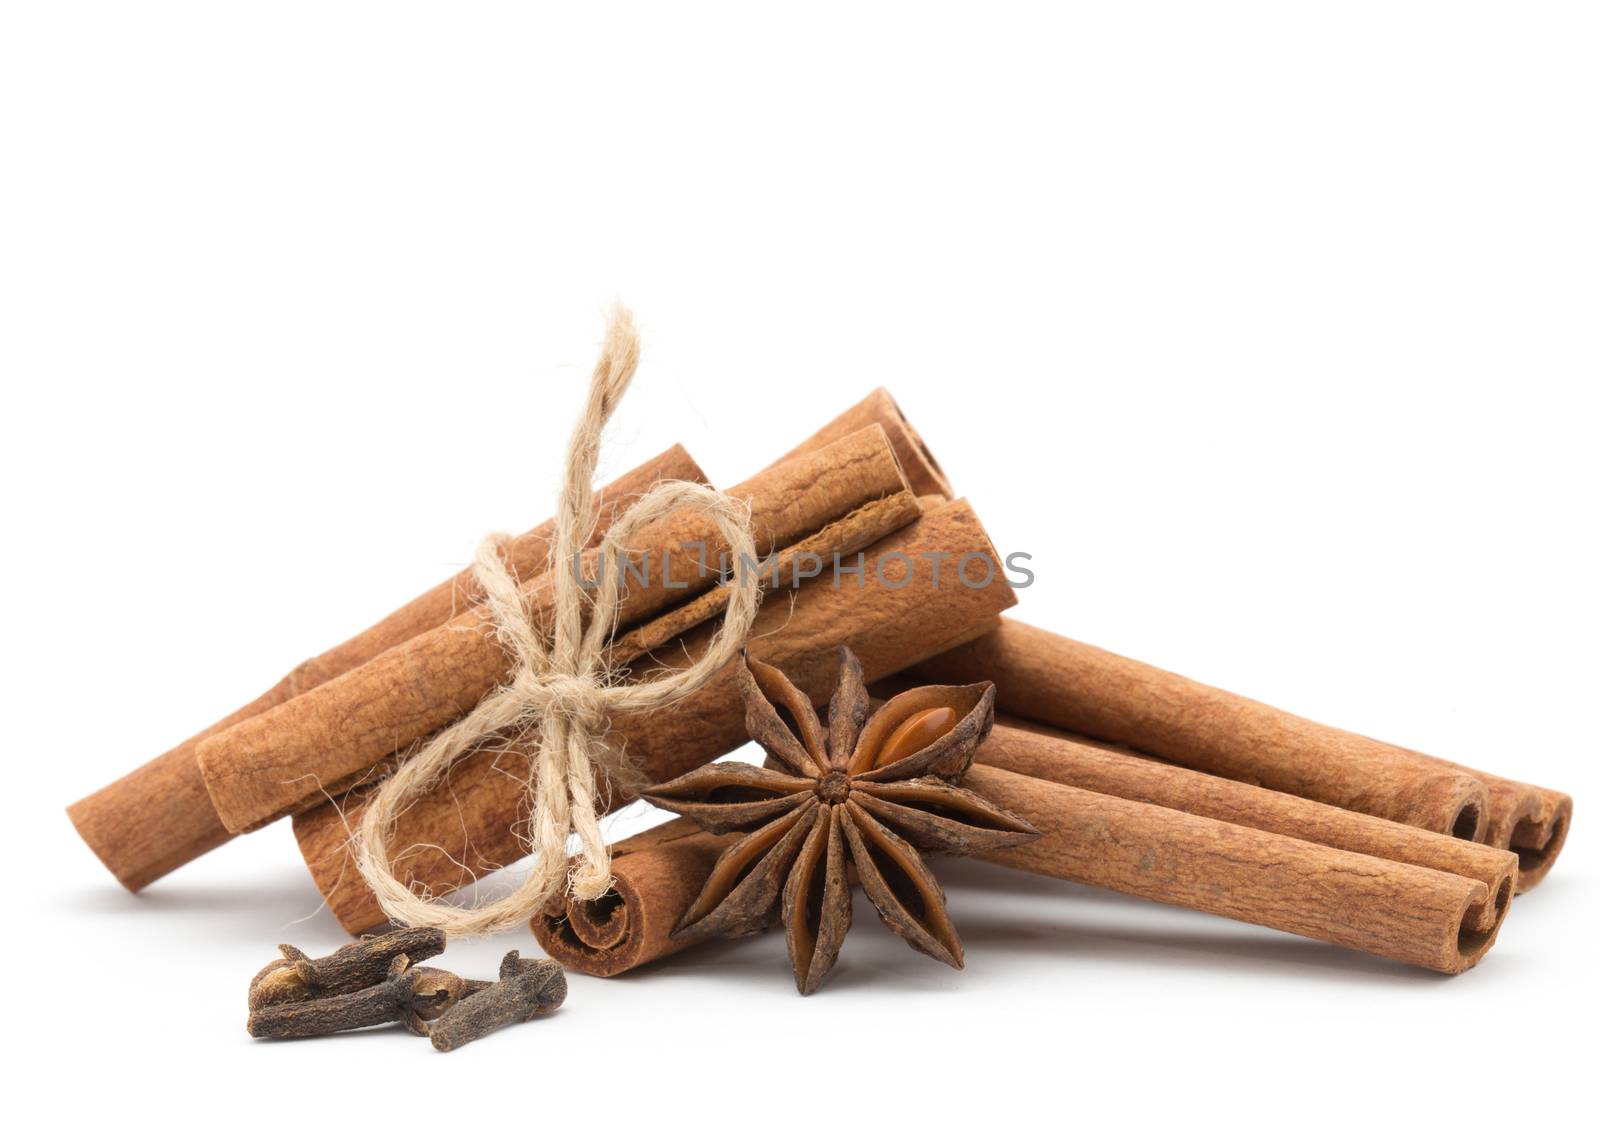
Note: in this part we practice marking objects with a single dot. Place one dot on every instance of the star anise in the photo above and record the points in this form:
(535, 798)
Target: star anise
(867, 792)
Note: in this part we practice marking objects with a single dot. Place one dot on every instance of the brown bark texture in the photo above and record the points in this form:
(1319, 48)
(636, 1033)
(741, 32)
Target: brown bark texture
(1136, 825)
(1050, 679)
(468, 827)
(160, 816)
(1047, 678)
(878, 407)
(656, 876)
(1401, 911)
(1529, 820)
(326, 738)
(1064, 760)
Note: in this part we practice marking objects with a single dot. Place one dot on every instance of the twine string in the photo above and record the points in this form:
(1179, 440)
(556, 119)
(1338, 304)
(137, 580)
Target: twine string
(561, 687)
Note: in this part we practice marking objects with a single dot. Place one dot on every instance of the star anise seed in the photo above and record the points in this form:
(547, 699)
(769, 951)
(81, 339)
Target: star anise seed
(868, 792)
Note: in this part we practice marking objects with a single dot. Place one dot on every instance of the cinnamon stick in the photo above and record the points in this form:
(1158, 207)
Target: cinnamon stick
(1351, 879)
(655, 876)
(1051, 679)
(1401, 911)
(267, 766)
(878, 407)
(1054, 757)
(465, 828)
(160, 816)
(1529, 820)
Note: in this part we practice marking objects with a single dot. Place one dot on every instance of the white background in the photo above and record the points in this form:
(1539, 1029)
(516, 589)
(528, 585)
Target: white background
(1269, 330)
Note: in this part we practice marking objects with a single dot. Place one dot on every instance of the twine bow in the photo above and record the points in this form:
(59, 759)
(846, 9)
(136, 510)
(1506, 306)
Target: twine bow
(561, 686)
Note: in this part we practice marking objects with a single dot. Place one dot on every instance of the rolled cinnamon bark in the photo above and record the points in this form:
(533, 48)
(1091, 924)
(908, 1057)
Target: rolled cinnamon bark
(267, 766)
(1055, 757)
(655, 877)
(1400, 911)
(1407, 913)
(160, 816)
(466, 827)
(1051, 679)
(878, 407)
(1526, 819)
(837, 541)
(1537, 841)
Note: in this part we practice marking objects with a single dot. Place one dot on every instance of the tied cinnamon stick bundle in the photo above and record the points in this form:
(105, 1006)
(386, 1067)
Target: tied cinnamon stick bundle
(466, 827)
(1143, 828)
(556, 681)
(159, 817)
(1050, 679)
(326, 738)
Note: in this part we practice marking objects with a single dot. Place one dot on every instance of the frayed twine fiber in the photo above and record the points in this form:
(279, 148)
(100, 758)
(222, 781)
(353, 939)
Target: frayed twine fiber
(561, 686)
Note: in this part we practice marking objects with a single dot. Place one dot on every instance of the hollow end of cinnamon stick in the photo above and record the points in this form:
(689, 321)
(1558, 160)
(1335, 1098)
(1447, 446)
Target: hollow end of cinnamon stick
(1470, 819)
(1497, 870)
(1538, 840)
(1480, 924)
(593, 936)
(922, 470)
(1448, 802)
(600, 923)
(1526, 819)
(655, 877)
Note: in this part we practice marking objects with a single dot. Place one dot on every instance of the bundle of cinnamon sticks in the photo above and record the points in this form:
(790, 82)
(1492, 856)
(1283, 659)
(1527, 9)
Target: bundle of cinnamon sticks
(862, 484)
(1140, 781)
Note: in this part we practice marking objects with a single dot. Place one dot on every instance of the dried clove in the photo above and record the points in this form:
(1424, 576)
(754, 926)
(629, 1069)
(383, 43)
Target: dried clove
(355, 966)
(410, 995)
(528, 988)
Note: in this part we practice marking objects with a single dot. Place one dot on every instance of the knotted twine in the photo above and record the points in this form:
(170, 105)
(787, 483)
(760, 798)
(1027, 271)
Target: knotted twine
(561, 687)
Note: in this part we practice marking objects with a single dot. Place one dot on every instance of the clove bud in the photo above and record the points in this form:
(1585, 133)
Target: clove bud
(410, 995)
(354, 966)
(528, 988)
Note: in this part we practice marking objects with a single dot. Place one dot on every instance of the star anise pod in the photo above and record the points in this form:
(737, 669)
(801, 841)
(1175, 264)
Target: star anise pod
(870, 792)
